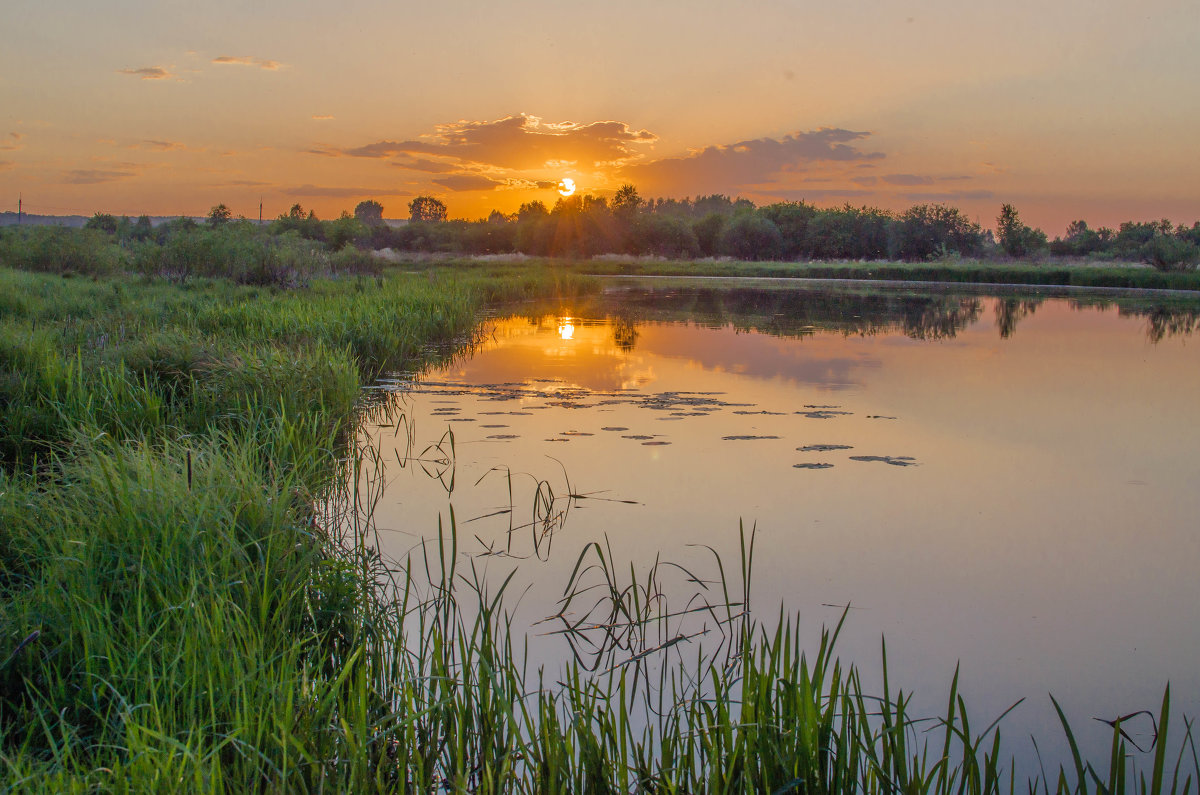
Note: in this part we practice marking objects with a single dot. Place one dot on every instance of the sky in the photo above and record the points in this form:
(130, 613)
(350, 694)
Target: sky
(1069, 109)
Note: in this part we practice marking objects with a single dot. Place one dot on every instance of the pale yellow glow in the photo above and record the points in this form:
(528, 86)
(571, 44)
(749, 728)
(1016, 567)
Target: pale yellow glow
(566, 329)
(567, 187)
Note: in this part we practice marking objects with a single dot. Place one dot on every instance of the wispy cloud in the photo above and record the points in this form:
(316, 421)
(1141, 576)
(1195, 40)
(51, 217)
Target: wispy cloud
(12, 143)
(818, 194)
(422, 164)
(147, 72)
(96, 176)
(248, 60)
(322, 117)
(907, 180)
(160, 146)
(950, 196)
(5, 165)
(460, 182)
(343, 193)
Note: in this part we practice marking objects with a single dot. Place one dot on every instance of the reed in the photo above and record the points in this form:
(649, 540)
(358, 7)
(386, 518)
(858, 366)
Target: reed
(192, 600)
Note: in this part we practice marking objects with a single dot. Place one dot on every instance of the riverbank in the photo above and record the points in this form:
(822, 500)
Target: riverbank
(1081, 273)
(189, 601)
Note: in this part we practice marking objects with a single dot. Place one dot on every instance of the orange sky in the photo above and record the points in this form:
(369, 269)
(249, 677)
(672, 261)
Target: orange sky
(1067, 110)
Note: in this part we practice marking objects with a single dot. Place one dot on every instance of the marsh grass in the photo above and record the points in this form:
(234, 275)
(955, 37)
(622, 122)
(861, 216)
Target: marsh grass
(192, 598)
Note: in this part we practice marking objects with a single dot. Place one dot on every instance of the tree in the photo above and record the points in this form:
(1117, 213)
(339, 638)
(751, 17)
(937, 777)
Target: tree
(102, 221)
(626, 202)
(370, 212)
(1016, 238)
(750, 236)
(427, 208)
(928, 230)
(218, 215)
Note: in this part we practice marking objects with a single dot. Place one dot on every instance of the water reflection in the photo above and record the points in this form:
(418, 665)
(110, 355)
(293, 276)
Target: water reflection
(799, 313)
(1003, 481)
(1009, 311)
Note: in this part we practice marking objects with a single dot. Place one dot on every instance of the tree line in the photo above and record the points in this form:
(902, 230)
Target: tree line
(708, 226)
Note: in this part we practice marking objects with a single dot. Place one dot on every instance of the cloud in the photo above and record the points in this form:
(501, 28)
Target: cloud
(520, 143)
(95, 176)
(147, 72)
(12, 143)
(459, 182)
(343, 193)
(949, 196)
(907, 180)
(5, 165)
(247, 60)
(724, 168)
(421, 164)
(322, 117)
(248, 183)
(817, 194)
(160, 146)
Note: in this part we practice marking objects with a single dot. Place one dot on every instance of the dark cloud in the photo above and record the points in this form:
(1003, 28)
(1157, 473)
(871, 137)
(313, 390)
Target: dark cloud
(865, 181)
(147, 72)
(907, 180)
(94, 176)
(521, 143)
(949, 196)
(161, 146)
(343, 193)
(247, 60)
(459, 182)
(731, 167)
(428, 166)
(817, 194)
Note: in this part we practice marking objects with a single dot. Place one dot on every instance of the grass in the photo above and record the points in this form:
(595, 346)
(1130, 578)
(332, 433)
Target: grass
(189, 601)
(951, 270)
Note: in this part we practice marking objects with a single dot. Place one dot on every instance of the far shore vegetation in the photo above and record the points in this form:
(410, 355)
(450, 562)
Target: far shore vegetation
(704, 235)
(189, 596)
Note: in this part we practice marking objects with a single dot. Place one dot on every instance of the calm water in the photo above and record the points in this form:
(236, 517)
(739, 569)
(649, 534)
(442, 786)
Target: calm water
(1009, 483)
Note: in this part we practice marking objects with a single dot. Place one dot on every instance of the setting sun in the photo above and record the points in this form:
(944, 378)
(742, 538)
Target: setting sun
(566, 329)
(567, 187)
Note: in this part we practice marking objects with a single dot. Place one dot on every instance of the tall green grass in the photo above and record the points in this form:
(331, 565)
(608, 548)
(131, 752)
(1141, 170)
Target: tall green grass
(191, 600)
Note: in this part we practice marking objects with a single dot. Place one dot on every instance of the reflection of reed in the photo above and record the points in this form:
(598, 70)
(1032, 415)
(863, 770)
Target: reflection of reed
(625, 332)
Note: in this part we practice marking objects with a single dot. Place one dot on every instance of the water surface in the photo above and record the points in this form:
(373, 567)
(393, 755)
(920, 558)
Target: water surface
(1008, 482)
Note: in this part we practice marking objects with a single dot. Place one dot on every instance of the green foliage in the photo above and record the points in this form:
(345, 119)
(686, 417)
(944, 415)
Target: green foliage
(183, 605)
(1171, 253)
(929, 230)
(219, 214)
(427, 208)
(1017, 239)
(369, 212)
(750, 236)
(626, 202)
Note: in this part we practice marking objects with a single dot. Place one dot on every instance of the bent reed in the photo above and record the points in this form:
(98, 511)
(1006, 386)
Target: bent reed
(189, 601)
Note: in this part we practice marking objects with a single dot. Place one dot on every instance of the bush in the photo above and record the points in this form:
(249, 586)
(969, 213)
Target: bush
(1170, 253)
(750, 236)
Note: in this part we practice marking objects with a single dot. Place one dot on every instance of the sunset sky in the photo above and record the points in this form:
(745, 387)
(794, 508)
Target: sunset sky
(1067, 109)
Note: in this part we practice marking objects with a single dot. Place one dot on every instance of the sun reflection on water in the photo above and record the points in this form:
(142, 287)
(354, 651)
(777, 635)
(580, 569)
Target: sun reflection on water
(566, 328)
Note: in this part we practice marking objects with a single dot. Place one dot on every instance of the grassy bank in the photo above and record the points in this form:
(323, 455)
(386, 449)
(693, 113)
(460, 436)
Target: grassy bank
(951, 271)
(188, 602)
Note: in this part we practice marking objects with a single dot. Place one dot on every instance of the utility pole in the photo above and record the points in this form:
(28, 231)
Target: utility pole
(260, 210)
(20, 199)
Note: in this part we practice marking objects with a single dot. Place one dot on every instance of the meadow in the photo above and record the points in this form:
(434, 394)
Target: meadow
(190, 600)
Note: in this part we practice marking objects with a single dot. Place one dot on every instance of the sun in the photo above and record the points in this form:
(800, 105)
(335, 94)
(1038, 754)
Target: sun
(566, 187)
